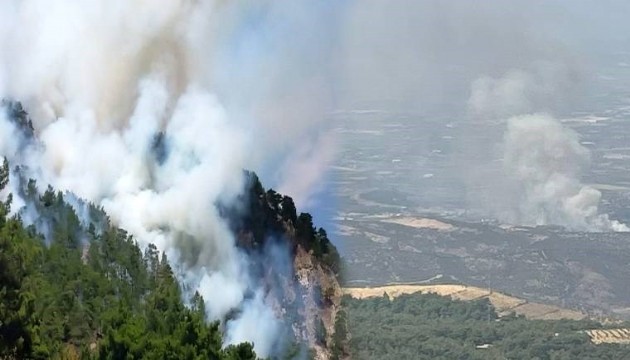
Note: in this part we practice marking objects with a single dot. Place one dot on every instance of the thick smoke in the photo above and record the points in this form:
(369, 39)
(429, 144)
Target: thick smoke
(543, 161)
(153, 110)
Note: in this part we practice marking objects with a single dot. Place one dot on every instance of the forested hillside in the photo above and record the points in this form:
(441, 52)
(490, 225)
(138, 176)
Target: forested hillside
(72, 288)
(429, 326)
(92, 293)
(261, 216)
(306, 285)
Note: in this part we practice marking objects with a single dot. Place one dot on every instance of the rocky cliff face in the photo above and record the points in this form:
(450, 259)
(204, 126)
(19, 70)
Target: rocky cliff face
(321, 297)
(297, 263)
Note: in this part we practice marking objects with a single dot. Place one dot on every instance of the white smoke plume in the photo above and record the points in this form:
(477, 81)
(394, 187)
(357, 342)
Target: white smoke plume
(484, 61)
(478, 64)
(153, 109)
(543, 161)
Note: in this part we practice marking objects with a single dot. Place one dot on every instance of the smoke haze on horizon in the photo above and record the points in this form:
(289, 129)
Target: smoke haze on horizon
(489, 68)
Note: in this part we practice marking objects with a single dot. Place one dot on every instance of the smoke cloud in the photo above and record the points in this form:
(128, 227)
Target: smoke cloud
(543, 161)
(152, 111)
(483, 66)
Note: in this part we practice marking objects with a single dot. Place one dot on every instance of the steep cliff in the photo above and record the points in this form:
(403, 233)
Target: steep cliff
(297, 262)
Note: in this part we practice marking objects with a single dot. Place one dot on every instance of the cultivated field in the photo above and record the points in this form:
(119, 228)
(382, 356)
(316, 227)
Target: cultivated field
(420, 223)
(610, 336)
(503, 303)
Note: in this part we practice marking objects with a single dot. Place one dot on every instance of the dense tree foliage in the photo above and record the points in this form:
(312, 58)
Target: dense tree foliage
(339, 348)
(267, 214)
(429, 326)
(88, 291)
(16, 114)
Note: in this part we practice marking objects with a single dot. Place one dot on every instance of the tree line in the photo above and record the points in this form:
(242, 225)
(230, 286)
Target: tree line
(429, 326)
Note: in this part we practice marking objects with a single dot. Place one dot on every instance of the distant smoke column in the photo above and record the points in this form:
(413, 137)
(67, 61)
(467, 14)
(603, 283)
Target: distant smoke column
(545, 161)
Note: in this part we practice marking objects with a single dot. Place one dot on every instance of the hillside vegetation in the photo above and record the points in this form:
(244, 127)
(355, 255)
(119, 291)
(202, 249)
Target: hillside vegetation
(73, 289)
(92, 293)
(430, 326)
(503, 304)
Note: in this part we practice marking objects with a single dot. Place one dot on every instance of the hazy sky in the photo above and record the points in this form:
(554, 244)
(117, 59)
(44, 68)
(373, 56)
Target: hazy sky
(418, 54)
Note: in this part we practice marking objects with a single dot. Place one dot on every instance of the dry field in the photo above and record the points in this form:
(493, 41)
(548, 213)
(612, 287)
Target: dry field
(420, 223)
(610, 336)
(503, 303)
